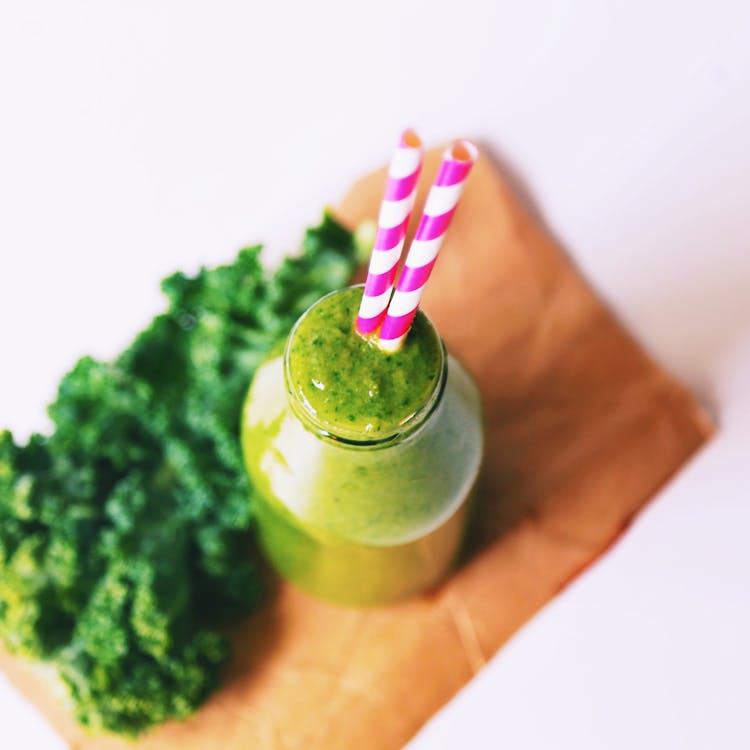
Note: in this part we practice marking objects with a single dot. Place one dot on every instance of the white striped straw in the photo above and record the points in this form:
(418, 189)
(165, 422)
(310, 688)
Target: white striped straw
(393, 221)
(438, 212)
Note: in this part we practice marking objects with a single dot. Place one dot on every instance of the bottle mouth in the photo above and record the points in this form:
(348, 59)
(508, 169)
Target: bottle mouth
(356, 437)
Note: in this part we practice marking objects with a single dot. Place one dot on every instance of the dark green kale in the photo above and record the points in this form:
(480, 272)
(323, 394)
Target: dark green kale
(126, 535)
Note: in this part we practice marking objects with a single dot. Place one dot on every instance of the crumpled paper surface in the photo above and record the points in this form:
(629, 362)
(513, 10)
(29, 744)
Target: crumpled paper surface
(582, 429)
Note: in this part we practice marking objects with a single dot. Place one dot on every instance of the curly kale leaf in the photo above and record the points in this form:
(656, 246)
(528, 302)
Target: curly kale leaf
(126, 534)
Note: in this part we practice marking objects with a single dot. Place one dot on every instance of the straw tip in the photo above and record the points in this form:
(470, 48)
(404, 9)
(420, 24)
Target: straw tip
(410, 139)
(463, 150)
(390, 345)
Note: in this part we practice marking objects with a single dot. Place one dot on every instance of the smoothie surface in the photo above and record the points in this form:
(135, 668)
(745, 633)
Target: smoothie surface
(346, 383)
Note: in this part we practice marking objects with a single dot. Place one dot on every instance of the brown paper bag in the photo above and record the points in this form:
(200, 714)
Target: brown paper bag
(582, 428)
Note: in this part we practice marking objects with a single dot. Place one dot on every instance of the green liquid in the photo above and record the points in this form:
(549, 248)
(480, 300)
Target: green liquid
(360, 523)
(347, 384)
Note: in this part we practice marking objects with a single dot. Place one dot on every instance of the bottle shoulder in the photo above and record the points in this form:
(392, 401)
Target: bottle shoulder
(387, 495)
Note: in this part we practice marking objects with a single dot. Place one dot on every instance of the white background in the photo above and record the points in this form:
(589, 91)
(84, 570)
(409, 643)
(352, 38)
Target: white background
(141, 137)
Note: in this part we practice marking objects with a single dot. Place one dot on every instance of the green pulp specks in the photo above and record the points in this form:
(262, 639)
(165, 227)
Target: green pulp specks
(346, 382)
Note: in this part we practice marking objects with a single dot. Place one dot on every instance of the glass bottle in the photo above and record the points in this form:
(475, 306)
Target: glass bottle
(351, 517)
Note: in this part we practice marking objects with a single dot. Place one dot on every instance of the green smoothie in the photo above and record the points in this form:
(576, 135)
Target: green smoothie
(363, 462)
(347, 384)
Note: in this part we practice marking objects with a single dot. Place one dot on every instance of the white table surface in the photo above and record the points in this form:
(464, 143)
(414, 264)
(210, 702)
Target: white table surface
(137, 138)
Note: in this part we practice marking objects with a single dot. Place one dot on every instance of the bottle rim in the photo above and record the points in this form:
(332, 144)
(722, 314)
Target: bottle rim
(406, 427)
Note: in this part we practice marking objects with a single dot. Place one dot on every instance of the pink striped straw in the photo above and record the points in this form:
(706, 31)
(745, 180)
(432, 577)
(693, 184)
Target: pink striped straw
(438, 212)
(393, 221)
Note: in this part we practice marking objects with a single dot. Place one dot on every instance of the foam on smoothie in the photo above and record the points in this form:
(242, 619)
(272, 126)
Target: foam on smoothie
(346, 383)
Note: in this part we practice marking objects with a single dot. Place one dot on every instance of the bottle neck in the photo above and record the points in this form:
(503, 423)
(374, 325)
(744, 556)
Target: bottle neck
(360, 438)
